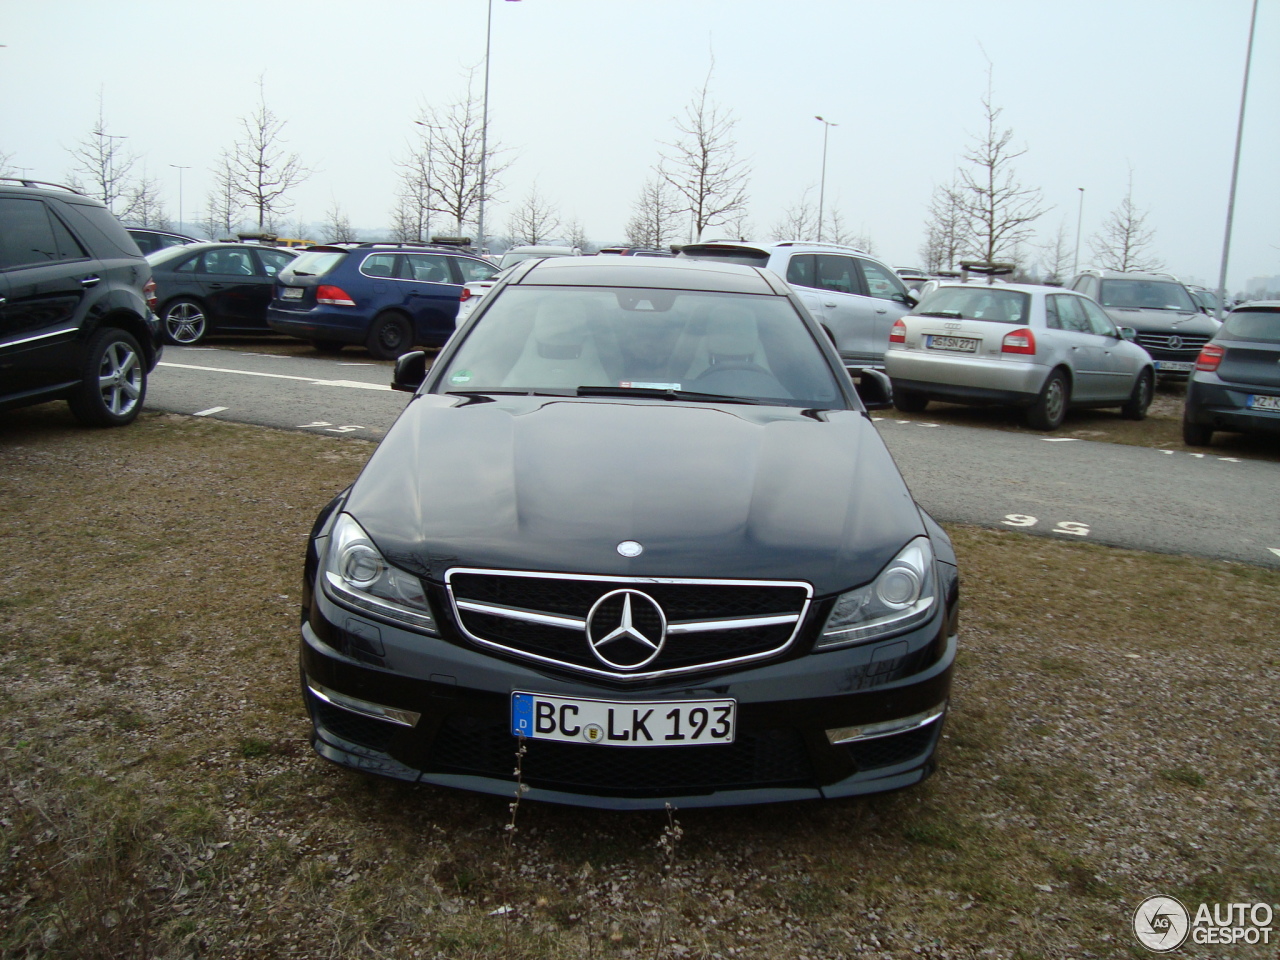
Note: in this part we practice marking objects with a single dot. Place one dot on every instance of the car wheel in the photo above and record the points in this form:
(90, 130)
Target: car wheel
(1050, 408)
(1135, 408)
(113, 382)
(184, 322)
(1195, 434)
(909, 401)
(389, 336)
(328, 346)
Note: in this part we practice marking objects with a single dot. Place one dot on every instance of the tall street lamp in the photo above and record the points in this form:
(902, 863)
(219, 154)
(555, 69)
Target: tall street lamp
(822, 184)
(179, 168)
(1075, 264)
(1235, 166)
(484, 128)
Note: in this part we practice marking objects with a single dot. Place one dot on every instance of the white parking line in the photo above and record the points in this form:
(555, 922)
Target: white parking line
(210, 412)
(352, 384)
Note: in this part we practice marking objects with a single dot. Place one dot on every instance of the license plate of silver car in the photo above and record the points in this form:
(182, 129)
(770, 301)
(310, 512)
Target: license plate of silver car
(1257, 402)
(629, 723)
(1175, 366)
(955, 344)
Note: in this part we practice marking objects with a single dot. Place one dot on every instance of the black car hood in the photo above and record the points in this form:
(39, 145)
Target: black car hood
(551, 484)
(1163, 321)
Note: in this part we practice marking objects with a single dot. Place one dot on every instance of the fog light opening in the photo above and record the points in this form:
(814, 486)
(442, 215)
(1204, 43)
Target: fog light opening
(887, 728)
(378, 711)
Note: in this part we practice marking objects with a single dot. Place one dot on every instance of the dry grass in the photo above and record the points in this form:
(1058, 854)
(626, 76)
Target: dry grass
(1113, 736)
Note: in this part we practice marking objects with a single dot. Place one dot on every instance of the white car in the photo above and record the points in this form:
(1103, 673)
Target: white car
(1044, 349)
(473, 293)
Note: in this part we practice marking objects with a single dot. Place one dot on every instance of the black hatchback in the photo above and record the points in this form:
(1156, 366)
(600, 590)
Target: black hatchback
(636, 537)
(1236, 382)
(208, 288)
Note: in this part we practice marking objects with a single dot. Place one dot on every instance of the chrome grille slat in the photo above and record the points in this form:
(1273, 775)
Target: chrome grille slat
(711, 623)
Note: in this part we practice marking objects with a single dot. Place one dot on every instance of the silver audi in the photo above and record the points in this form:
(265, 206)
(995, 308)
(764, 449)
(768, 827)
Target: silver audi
(1044, 349)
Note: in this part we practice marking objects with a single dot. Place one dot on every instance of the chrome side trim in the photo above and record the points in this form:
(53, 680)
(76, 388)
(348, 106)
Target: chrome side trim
(403, 718)
(42, 336)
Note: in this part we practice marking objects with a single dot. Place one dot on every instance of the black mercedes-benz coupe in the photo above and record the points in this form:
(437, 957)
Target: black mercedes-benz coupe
(637, 520)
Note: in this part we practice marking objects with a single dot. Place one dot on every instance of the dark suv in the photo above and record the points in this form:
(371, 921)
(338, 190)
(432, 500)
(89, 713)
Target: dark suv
(75, 322)
(389, 297)
(1170, 324)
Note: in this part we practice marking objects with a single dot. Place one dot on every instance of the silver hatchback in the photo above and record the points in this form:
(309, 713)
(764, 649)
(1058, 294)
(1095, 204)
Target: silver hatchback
(1044, 349)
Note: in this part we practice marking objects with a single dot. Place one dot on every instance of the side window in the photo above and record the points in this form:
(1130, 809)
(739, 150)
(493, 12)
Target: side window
(1051, 313)
(188, 266)
(800, 270)
(1099, 322)
(29, 235)
(470, 270)
(273, 261)
(228, 263)
(379, 265)
(881, 283)
(1071, 314)
(837, 273)
(429, 268)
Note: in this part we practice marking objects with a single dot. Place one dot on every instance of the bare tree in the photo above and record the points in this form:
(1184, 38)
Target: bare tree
(222, 205)
(1124, 239)
(534, 221)
(944, 234)
(5, 169)
(337, 226)
(448, 160)
(262, 173)
(997, 210)
(798, 221)
(411, 219)
(103, 162)
(576, 236)
(143, 206)
(655, 215)
(1057, 256)
(703, 165)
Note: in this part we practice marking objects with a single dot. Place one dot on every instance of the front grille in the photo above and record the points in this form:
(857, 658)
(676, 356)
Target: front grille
(1187, 348)
(887, 751)
(486, 748)
(708, 623)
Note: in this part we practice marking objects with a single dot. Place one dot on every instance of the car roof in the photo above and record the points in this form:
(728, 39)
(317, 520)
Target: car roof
(1268, 305)
(659, 273)
(816, 246)
(1016, 287)
(168, 253)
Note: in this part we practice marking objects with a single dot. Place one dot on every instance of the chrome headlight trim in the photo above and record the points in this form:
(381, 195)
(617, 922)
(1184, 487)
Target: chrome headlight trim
(902, 596)
(354, 573)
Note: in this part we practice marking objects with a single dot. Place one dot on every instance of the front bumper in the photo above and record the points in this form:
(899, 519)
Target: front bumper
(461, 735)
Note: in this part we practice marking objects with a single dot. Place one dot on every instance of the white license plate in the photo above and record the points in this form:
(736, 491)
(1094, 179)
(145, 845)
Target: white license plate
(1177, 366)
(1264, 403)
(630, 723)
(958, 344)
(291, 293)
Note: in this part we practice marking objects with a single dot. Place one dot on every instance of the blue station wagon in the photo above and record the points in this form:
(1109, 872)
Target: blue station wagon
(388, 297)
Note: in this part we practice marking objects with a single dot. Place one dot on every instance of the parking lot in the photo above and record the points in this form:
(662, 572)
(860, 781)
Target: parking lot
(1110, 723)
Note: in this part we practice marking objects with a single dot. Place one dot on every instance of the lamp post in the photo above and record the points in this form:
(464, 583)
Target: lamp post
(1075, 263)
(484, 128)
(822, 184)
(1235, 166)
(179, 168)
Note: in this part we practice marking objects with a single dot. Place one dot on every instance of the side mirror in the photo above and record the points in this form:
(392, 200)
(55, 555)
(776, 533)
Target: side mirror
(410, 371)
(1128, 333)
(874, 387)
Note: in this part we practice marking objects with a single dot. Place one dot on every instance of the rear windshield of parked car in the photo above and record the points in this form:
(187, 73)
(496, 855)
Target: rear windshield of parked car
(1260, 325)
(1147, 295)
(977, 302)
(315, 264)
(561, 338)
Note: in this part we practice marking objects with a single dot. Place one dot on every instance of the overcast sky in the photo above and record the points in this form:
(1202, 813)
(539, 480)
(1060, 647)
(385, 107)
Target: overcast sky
(583, 94)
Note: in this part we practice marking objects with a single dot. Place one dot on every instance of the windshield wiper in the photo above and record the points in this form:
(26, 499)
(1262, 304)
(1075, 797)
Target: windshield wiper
(528, 392)
(949, 314)
(664, 393)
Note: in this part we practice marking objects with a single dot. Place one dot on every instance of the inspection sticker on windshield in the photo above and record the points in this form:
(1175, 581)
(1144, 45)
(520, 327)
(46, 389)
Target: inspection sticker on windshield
(1264, 403)
(959, 344)
(629, 723)
(637, 385)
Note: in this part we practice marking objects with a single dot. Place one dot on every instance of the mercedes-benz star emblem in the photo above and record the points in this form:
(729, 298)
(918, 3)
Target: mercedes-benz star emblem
(630, 548)
(1175, 343)
(626, 629)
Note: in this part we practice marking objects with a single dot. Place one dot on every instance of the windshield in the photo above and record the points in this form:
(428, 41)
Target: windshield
(1147, 295)
(976, 302)
(643, 342)
(1262, 326)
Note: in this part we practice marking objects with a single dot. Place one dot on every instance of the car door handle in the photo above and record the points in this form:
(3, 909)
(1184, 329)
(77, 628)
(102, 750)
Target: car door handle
(828, 303)
(90, 281)
(883, 310)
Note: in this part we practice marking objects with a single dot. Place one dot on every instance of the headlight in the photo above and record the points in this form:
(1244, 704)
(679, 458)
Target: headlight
(356, 574)
(901, 597)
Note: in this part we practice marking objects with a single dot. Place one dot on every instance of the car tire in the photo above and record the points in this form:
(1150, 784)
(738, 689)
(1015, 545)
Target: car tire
(1195, 434)
(1135, 408)
(389, 336)
(328, 346)
(184, 322)
(909, 401)
(1050, 408)
(113, 382)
